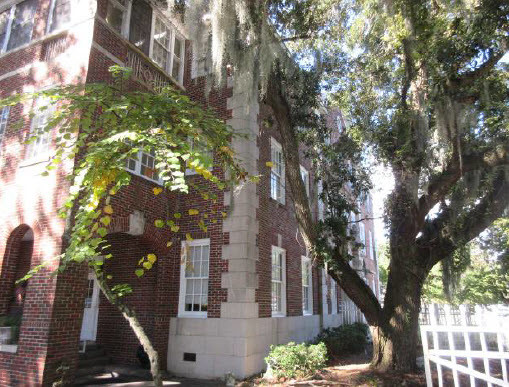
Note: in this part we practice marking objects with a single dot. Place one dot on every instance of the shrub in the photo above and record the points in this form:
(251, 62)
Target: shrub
(296, 360)
(345, 339)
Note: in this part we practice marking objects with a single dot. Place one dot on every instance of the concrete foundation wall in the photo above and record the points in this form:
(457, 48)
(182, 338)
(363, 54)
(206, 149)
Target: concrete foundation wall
(227, 345)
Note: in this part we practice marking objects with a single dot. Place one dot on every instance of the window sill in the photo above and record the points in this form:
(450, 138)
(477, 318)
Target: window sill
(278, 315)
(158, 182)
(44, 158)
(282, 204)
(184, 315)
(11, 348)
(307, 314)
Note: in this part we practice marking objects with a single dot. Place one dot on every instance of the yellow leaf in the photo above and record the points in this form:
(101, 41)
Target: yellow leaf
(152, 258)
(189, 237)
(224, 214)
(147, 265)
(214, 220)
(177, 215)
(193, 212)
(168, 244)
(106, 220)
(108, 210)
(157, 190)
(269, 164)
(174, 228)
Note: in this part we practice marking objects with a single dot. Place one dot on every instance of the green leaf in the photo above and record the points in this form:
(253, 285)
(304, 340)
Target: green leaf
(139, 272)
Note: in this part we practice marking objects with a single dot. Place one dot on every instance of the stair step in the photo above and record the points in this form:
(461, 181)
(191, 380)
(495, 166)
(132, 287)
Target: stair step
(90, 354)
(95, 361)
(88, 371)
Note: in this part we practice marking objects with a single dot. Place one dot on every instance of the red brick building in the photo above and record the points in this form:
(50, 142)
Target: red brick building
(252, 285)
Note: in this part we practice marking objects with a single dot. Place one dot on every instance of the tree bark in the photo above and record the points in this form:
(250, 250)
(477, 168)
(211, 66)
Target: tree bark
(137, 328)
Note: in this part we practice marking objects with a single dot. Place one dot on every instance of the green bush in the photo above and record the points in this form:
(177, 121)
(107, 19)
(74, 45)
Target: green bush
(296, 360)
(345, 339)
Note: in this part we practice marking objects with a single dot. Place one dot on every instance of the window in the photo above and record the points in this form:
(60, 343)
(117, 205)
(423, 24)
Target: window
(373, 246)
(141, 25)
(362, 236)
(321, 204)
(304, 174)
(4, 117)
(117, 15)
(333, 296)
(16, 25)
(167, 49)
(278, 281)
(307, 286)
(39, 145)
(144, 165)
(208, 155)
(194, 278)
(60, 14)
(277, 175)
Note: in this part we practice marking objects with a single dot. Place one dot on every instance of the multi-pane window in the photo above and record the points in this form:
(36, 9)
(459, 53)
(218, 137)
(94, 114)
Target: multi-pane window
(167, 49)
(117, 15)
(60, 14)
(304, 174)
(143, 164)
(362, 236)
(40, 136)
(140, 25)
(16, 25)
(277, 175)
(307, 289)
(333, 296)
(4, 117)
(194, 278)
(90, 294)
(278, 295)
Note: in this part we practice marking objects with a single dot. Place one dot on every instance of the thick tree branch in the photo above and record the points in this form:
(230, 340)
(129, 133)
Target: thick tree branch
(441, 184)
(358, 291)
(471, 76)
(448, 232)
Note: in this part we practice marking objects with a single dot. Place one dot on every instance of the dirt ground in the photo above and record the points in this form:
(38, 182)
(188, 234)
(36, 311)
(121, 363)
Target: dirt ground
(347, 371)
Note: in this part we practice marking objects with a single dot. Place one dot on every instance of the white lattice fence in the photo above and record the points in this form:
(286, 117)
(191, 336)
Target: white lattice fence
(461, 341)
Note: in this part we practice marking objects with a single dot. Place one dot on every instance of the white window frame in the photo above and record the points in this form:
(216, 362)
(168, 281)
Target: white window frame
(126, 16)
(12, 6)
(304, 174)
(183, 280)
(209, 153)
(333, 296)
(35, 151)
(4, 118)
(325, 289)
(362, 237)
(281, 281)
(138, 165)
(275, 149)
(170, 49)
(306, 262)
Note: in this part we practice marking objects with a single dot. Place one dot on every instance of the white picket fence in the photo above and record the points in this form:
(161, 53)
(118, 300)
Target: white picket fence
(468, 341)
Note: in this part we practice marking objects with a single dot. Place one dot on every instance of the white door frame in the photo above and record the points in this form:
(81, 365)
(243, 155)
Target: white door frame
(91, 310)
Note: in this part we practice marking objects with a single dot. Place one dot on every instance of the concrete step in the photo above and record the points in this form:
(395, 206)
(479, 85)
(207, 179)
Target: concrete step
(102, 360)
(92, 353)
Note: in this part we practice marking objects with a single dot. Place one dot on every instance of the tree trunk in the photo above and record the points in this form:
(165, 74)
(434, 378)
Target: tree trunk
(395, 338)
(138, 330)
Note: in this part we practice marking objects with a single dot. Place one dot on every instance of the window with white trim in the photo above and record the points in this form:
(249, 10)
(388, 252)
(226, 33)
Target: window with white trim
(144, 164)
(278, 294)
(40, 135)
(207, 155)
(277, 174)
(4, 117)
(362, 236)
(304, 174)
(333, 296)
(167, 48)
(117, 15)
(194, 278)
(307, 286)
(16, 25)
(60, 14)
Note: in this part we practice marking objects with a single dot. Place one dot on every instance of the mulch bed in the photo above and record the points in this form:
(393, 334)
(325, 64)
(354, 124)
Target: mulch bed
(346, 371)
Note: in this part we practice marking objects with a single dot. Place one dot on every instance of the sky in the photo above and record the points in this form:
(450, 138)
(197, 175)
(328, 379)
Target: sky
(383, 183)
